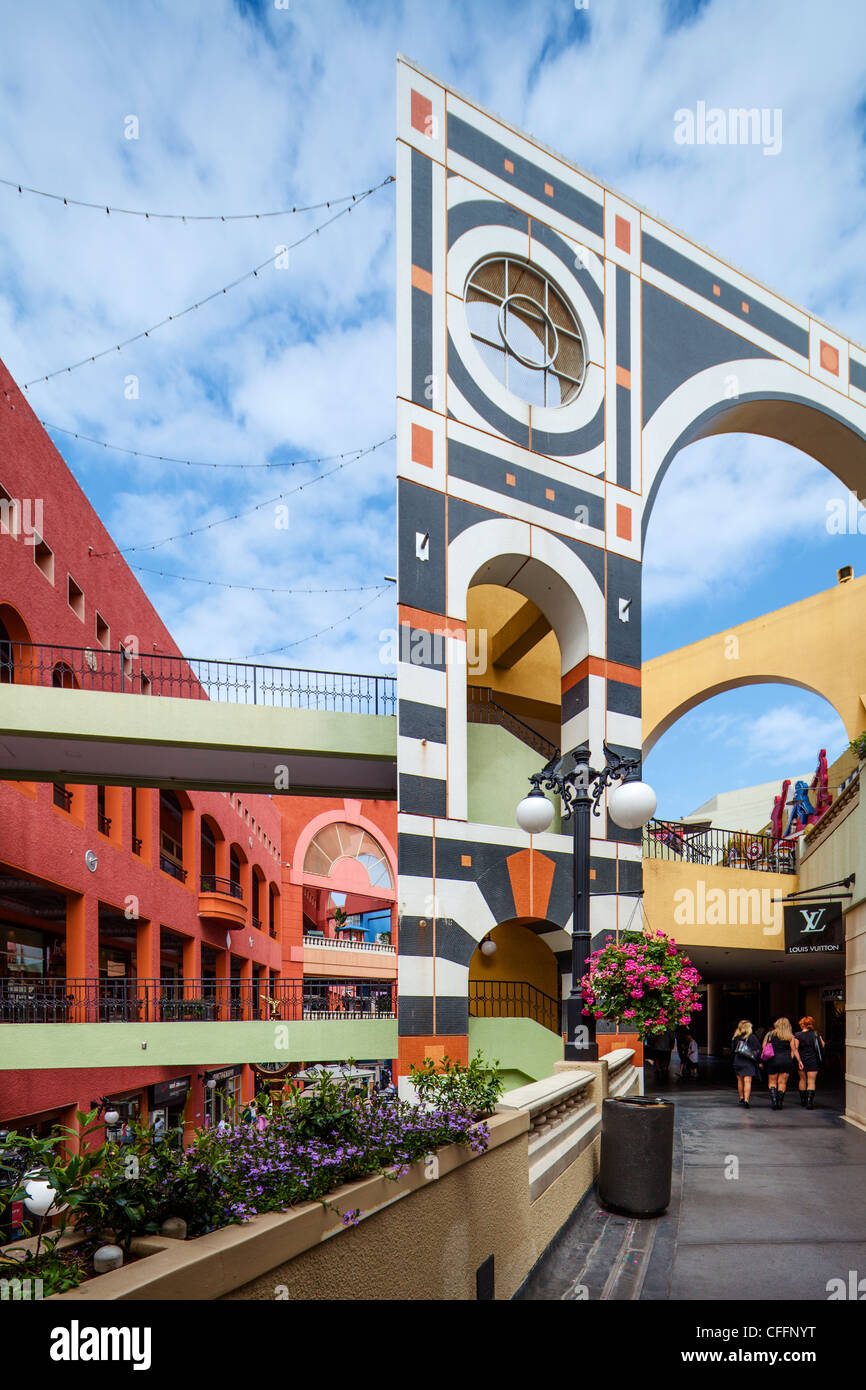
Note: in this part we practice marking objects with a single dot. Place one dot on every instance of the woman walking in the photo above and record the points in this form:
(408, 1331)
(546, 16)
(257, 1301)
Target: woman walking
(745, 1049)
(784, 1050)
(811, 1046)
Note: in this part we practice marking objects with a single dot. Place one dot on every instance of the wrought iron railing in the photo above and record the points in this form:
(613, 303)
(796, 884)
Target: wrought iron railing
(62, 797)
(734, 849)
(199, 1000)
(514, 999)
(212, 883)
(168, 866)
(196, 678)
(482, 708)
(103, 822)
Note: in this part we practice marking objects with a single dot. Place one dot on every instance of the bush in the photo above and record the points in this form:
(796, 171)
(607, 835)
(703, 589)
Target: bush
(644, 982)
(475, 1087)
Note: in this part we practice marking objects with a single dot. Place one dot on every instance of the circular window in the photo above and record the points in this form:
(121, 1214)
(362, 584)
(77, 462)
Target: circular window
(525, 331)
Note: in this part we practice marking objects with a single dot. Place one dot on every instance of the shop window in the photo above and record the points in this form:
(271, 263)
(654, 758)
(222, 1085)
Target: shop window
(171, 836)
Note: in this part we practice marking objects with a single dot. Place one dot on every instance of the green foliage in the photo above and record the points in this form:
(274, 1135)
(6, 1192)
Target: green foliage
(858, 746)
(642, 982)
(475, 1087)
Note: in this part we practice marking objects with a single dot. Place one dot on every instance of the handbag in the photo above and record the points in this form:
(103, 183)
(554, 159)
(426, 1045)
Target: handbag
(767, 1051)
(819, 1052)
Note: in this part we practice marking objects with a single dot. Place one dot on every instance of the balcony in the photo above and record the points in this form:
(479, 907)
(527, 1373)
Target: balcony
(353, 959)
(732, 849)
(193, 1001)
(169, 866)
(514, 999)
(222, 900)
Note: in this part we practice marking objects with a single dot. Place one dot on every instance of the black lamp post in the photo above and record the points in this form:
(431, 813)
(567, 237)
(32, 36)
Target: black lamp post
(631, 804)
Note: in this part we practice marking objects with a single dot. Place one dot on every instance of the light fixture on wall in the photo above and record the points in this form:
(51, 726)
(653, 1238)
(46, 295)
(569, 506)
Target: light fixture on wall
(488, 946)
(209, 1081)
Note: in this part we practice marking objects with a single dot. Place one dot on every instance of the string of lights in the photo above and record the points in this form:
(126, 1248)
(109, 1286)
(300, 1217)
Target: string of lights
(172, 318)
(194, 463)
(269, 502)
(274, 651)
(22, 188)
(254, 588)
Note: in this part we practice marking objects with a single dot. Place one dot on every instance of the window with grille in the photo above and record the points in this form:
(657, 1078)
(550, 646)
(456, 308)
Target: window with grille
(525, 331)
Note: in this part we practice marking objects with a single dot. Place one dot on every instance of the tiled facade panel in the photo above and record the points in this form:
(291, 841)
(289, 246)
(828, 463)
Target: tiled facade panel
(675, 342)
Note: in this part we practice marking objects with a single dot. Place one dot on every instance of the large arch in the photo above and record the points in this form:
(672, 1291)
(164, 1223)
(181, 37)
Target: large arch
(818, 644)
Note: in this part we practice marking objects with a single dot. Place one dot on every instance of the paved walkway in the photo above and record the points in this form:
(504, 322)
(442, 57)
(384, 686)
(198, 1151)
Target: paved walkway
(764, 1206)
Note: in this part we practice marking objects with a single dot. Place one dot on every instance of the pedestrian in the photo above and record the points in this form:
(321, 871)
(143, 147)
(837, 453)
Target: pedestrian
(682, 1042)
(692, 1054)
(661, 1045)
(811, 1046)
(781, 1050)
(745, 1050)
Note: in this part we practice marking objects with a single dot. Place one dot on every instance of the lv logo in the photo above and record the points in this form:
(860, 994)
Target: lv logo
(812, 918)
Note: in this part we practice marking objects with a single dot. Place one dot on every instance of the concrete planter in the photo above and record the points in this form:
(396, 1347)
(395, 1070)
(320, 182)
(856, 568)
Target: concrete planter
(253, 1255)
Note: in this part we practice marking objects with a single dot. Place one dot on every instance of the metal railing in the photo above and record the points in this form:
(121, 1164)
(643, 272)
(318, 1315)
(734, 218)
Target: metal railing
(482, 708)
(733, 849)
(514, 999)
(212, 883)
(334, 944)
(103, 822)
(200, 1000)
(196, 678)
(168, 866)
(62, 797)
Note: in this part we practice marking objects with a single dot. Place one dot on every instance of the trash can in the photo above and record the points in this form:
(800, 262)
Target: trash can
(637, 1149)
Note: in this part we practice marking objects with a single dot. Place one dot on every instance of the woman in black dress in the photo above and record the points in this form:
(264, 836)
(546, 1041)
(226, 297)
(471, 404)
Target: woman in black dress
(745, 1050)
(811, 1046)
(786, 1051)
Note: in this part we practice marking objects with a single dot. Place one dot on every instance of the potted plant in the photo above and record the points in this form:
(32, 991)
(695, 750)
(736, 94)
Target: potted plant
(643, 983)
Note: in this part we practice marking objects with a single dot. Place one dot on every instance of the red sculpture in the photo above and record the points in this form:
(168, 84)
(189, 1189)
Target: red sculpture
(823, 796)
(778, 816)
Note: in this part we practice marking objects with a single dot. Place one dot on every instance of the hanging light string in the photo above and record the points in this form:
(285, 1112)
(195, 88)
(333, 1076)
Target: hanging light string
(248, 275)
(193, 463)
(254, 588)
(180, 216)
(274, 651)
(269, 502)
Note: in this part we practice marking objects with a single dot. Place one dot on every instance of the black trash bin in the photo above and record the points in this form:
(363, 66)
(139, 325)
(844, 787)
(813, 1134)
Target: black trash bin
(637, 1150)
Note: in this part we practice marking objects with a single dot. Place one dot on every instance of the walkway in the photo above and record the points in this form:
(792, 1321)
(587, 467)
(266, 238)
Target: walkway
(764, 1206)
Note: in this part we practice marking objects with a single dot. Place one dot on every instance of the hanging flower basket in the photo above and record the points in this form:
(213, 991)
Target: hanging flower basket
(643, 983)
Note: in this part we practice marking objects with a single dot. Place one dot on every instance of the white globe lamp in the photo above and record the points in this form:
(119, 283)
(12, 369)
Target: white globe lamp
(631, 804)
(40, 1198)
(488, 947)
(535, 813)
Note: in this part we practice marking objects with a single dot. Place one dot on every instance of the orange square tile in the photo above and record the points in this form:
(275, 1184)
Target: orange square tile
(509, 166)
(422, 446)
(421, 112)
(717, 289)
(592, 873)
(622, 234)
(550, 494)
(623, 522)
(510, 480)
(548, 188)
(745, 306)
(435, 1054)
(829, 358)
(623, 377)
(422, 279)
(466, 861)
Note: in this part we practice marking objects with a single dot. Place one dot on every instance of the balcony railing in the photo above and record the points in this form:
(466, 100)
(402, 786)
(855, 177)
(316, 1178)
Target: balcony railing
(335, 944)
(198, 678)
(168, 866)
(62, 797)
(212, 883)
(199, 1000)
(482, 708)
(103, 822)
(514, 999)
(734, 849)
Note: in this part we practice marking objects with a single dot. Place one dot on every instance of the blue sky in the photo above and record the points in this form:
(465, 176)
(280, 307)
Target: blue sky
(245, 107)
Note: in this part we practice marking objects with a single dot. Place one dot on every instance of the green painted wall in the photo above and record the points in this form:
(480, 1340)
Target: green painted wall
(499, 767)
(37, 1046)
(524, 1050)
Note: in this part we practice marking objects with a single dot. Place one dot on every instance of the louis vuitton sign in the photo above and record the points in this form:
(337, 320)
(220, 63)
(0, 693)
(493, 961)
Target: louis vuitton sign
(813, 929)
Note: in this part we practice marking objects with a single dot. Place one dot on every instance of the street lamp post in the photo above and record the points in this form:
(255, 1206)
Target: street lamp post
(631, 804)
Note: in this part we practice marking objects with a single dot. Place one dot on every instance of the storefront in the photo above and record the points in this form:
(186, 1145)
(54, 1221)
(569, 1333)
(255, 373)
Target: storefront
(222, 1099)
(167, 1105)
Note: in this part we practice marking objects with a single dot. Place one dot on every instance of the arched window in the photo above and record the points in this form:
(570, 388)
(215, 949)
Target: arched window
(344, 841)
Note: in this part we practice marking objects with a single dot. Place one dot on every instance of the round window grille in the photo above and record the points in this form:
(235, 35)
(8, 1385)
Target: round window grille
(525, 331)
